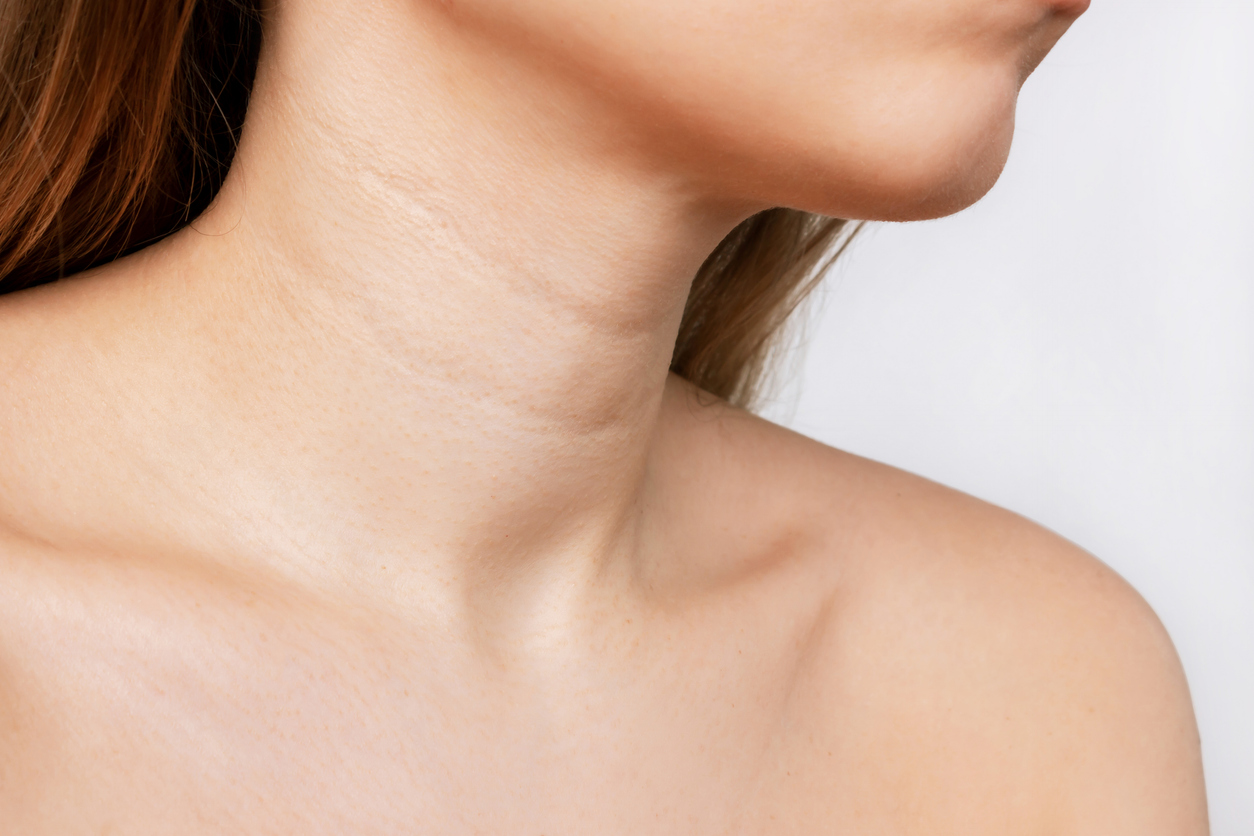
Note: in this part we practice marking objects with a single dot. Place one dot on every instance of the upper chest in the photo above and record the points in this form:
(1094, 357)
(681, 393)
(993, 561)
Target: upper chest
(178, 707)
(186, 707)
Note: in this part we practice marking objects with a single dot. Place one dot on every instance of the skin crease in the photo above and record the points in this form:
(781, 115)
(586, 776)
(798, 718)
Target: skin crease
(367, 504)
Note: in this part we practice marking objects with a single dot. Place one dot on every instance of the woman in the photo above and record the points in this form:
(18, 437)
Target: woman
(384, 498)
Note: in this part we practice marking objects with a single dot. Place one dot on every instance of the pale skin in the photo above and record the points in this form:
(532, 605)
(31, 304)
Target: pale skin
(367, 504)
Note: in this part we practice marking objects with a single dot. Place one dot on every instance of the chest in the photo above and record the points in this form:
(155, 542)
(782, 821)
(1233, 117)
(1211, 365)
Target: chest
(187, 725)
(174, 710)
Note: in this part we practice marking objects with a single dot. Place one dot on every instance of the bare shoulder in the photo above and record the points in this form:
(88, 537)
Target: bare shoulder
(27, 756)
(1019, 661)
(973, 660)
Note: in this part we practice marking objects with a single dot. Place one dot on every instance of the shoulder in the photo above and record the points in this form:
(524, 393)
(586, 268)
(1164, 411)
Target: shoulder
(980, 659)
(29, 754)
(1035, 669)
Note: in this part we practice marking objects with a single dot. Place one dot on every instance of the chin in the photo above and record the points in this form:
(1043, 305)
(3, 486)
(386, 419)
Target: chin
(947, 191)
(937, 174)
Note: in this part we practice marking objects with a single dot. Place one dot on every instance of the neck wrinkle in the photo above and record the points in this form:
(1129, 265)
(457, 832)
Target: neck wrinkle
(449, 308)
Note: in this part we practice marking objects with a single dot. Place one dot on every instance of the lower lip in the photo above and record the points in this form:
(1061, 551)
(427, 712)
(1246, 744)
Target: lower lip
(1073, 8)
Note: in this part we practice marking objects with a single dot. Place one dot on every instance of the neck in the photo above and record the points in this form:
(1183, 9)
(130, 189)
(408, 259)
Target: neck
(448, 293)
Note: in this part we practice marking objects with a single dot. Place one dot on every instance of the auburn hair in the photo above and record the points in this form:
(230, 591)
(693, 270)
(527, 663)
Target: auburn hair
(119, 120)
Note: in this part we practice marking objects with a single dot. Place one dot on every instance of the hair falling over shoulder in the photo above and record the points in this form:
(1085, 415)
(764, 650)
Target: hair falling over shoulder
(119, 120)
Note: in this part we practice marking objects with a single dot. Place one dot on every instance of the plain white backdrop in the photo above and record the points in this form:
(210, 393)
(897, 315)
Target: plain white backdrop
(1079, 346)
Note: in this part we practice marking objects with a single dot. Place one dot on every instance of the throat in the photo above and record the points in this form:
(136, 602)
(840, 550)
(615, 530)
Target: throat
(426, 323)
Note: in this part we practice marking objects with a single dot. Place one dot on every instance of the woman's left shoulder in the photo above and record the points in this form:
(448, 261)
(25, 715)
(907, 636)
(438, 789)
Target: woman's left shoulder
(992, 657)
(1029, 657)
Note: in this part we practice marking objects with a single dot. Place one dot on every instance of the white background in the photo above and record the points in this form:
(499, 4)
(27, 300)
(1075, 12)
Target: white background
(1079, 346)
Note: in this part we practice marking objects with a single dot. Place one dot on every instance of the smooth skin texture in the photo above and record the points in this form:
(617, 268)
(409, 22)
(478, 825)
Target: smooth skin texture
(367, 505)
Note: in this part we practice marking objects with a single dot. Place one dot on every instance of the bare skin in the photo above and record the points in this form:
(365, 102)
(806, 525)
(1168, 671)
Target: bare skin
(368, 505)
